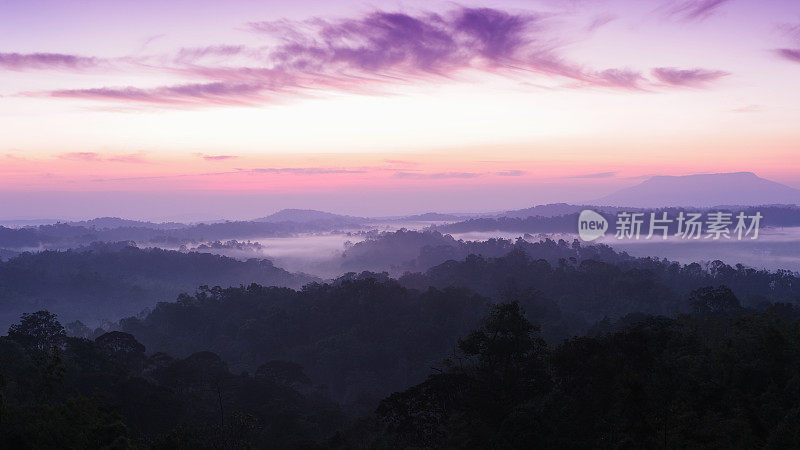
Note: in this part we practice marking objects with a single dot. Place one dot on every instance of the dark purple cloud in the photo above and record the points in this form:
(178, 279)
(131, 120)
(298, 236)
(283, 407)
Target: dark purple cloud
(695, 10)
(395, 46)
(31, 61)
(383, 43)
(687, 78)
(792, 54)
(363, 54)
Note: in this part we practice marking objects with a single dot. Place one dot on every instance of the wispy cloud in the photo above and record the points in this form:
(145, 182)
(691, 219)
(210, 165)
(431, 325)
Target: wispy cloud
(687, 78)
(369, 52)
(694, 10)
(96, 157)
(37, 61)
(193, 54)
(218, 93)
(600, 21)
(81, 156)
(436, 176)
(305, 170)
(399, 162)
(372, 50)
(511, 173)
(217, 157)
(748, 109)
(595, 175)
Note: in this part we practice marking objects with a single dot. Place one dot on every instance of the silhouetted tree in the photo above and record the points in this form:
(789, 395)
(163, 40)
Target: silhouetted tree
(39, 330)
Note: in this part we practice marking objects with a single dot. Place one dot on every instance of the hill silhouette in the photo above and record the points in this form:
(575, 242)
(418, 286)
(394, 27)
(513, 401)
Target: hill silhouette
(738, 188)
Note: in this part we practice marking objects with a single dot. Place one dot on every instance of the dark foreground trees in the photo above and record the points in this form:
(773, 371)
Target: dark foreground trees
(654, 383)
(720, 376)
(58, 392)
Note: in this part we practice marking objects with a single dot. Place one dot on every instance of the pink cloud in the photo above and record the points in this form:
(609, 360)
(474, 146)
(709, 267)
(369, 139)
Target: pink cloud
(134, 158)
(81, 156)
(511, 173)
(306, 170)
(595, 175)
(436, 176)
(96, 157)
(218, 157)
(748, 109)
(688, 78)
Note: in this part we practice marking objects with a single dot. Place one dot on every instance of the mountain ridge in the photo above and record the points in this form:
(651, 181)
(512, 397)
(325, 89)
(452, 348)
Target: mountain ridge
(703, 190)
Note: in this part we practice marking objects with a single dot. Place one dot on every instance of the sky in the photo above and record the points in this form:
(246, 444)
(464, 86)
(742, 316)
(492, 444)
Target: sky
(210, 109)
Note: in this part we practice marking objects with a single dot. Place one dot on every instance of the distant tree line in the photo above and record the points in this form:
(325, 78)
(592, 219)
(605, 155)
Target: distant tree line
(104, 282)
(773, 216)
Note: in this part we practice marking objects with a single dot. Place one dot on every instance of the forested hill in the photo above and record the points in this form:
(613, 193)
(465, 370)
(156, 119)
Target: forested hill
(773, 216)
(365, 335)
(63, 235)
(417, 251)
(723, 376)
(480, 353)
(104, 282)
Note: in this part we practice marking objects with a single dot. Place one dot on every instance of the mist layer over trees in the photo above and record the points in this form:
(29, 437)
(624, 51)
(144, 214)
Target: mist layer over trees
(423, 341)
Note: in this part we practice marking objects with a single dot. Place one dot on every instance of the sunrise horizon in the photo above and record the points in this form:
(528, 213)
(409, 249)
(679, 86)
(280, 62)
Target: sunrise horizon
(420, 104)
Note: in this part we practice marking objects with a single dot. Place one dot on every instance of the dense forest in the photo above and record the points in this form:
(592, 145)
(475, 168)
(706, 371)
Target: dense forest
(416, 251)
(342, 332)
(499, 343)
(106, 281)
(63, 235)
(721, 376)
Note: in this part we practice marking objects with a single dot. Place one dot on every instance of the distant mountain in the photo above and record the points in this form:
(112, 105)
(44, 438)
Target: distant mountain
(739, 188)
(311, 216)
(21, 223)
(549, 210)
(107, 223)
(432, 217)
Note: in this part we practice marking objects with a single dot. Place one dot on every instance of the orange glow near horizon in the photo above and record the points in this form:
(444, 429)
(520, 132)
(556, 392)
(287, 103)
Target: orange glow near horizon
(562, 105)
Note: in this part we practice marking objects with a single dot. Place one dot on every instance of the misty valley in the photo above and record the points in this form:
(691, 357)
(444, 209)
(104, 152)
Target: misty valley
(312, 330)
(399, 225)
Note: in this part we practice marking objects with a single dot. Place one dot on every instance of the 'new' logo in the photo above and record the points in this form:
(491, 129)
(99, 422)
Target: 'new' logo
(591, 225)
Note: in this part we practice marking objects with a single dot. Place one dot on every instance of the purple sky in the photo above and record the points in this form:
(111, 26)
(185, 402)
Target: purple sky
(161, 109)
